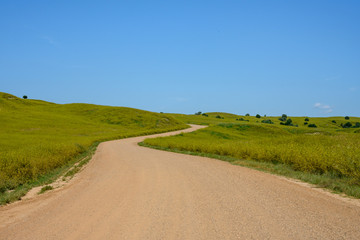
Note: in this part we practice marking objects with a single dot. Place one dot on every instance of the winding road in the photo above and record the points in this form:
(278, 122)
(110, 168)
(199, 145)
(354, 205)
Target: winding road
(131, 192)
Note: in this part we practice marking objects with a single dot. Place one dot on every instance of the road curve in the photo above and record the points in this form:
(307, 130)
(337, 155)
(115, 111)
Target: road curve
(132, 192)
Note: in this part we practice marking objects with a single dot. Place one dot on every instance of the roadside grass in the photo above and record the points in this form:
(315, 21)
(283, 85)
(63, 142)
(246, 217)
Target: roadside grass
(328, 180)
(65, 170)
(40, 139)
(46, 188)
(328, 157)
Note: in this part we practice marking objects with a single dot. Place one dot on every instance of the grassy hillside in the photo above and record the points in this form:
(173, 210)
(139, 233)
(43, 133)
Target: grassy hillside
(38, 137)
(328, 150)
(322, 123)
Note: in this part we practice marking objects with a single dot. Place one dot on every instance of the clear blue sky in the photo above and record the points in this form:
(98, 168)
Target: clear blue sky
(266, 57)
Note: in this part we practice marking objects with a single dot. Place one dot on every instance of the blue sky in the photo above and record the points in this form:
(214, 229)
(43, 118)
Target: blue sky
(267, 57)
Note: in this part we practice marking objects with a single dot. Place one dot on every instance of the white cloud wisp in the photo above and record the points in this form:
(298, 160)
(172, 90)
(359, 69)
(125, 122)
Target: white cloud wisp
(323, 107)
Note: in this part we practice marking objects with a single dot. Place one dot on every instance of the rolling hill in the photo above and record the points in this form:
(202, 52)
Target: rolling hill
(38, 137)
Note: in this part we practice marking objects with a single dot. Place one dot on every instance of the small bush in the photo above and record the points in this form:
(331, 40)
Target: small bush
(205, 115)
(247, 115)
(25, 97)
(241, 119)
(218, 116)
(198, 113)
(312, 125)
(306, 123)
(283, 118)
(333, 121)
(347, 118)
(357, 125)
(258, 116)
(267, 121)
(347, 125)
(306, 119)
(288, 123)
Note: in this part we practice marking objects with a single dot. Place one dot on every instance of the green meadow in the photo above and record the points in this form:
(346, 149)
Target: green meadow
(38, 138)
(326, 154)
(40, 141)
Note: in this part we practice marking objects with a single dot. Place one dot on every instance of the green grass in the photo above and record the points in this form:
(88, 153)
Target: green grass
(38, 138)
(51, 176)
(46, 188)
(323, 124)
(328, 156)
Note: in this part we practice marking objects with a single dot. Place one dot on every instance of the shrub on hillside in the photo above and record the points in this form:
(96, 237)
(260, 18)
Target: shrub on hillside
(267, 121)
(25, 97)
(347, 118)
(247, 115)
(258, 116)
(357, 125)
(306, 123)
(333, 121)
(283, 117)
(288, 123)
(198, 113)
(312, 125)
(205, 115)
(218, 116)
(306, 119)
(241, 119)
(347, 125)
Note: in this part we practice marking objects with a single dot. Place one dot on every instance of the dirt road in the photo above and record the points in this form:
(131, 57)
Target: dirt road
(132, 192)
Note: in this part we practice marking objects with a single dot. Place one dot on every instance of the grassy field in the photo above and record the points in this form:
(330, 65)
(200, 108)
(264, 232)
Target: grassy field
(327, 150)
(39, 137)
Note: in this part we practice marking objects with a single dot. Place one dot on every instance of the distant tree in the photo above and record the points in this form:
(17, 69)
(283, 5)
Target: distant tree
(306, 119)
(247, 115)
(347, 118)
(25, 97)
(312, 125)
(205, 115)
(258, 116)
(218, 116)
(333, 121)
(306, 123)
(198, 113)
(283, 117)
(357, 125)
(265, 115)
